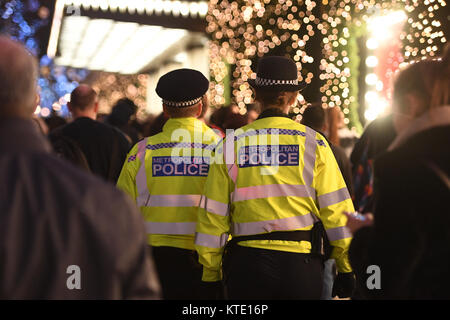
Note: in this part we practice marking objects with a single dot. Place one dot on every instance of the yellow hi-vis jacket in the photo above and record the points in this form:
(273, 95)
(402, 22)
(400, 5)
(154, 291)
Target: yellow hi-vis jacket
(167, 186)
(282, 176)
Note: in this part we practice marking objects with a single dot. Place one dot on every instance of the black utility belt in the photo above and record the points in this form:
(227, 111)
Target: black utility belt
(299, 235)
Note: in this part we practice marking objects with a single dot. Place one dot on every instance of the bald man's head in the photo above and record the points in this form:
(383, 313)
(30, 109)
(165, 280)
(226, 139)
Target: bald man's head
(83, 98)
(18, 75)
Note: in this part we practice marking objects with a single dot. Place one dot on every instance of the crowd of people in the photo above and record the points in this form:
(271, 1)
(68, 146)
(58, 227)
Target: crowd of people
(203, 204)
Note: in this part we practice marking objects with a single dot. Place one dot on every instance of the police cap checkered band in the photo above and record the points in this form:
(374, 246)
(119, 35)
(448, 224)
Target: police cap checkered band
(271, 82)
(278, 74)
(182, 87)
(182, 103)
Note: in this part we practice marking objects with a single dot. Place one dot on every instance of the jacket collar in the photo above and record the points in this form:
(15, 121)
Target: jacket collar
(272, 112)
(435, 117)
(22, 135)
(185, 123)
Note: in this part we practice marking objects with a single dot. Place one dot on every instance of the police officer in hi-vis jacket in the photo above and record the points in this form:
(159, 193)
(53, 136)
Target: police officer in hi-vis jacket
(165, 175)
(278, 178)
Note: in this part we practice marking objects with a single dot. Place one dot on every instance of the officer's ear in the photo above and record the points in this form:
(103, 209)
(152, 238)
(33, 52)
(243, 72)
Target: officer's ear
(292, 97)
(198, 112)
(254, 94)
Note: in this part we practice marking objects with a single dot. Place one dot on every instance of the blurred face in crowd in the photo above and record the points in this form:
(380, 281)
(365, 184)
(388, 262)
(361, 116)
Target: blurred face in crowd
(407, 108)
(420, 87)
(412, 92)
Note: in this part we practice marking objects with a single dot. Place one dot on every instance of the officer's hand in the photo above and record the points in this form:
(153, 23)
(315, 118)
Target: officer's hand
(344, 284)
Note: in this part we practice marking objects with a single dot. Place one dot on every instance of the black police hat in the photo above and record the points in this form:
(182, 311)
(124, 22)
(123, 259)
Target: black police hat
(182, 87)
(277, 74)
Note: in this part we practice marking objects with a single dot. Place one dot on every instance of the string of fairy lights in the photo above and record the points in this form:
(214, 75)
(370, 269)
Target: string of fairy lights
(426, 30)
(243, 30)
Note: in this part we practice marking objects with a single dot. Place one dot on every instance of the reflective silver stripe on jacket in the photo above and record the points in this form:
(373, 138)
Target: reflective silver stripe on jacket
(229, 147)
(230, 155)
(334, 197)
(291, 223)
(170, 227)
(214, 206)
(338, 233)
(175, 200)
(309, 157)
(232, 170)
(207, 240)
(273, 190)
(141, 177)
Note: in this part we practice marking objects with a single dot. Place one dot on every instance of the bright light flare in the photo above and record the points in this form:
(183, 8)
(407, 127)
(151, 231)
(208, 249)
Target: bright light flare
(383, 27)
(371, 79)
(45, 112)
(371, 61)
(372, 43)
(370, 96)
(376, 105)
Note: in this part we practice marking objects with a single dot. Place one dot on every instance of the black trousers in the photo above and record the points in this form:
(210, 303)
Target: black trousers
(252, 273)
(180, 273)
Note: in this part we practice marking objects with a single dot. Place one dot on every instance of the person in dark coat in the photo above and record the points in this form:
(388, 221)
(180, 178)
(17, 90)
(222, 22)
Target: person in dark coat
(314, 117)
(104, 146)
(409, 238)
(64, 234)
(375, 140)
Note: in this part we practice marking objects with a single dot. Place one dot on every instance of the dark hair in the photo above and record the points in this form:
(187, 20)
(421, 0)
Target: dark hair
(121, 112)
(68, 149)
(54, 121)
(314, 117)
(235, 121)
(220, 115)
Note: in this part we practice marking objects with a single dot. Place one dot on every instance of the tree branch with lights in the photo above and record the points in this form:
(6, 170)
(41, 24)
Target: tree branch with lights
(241, 31)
